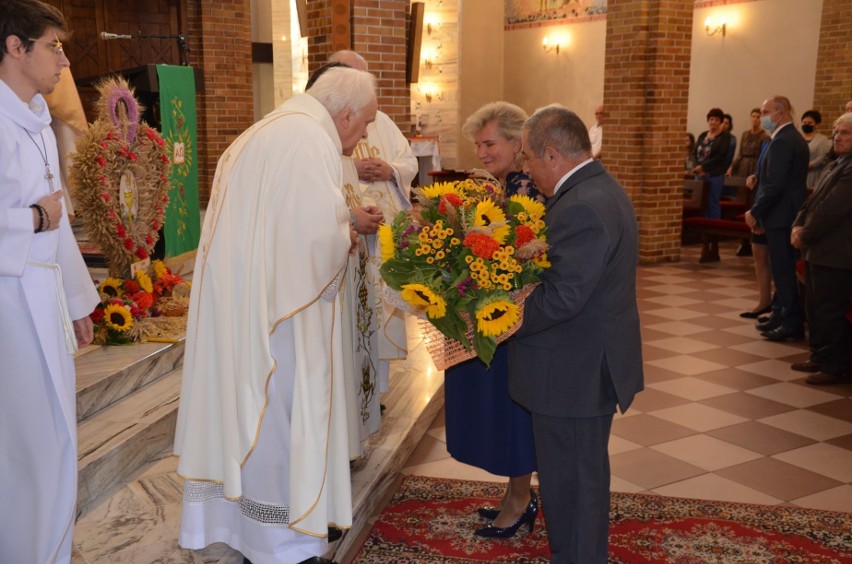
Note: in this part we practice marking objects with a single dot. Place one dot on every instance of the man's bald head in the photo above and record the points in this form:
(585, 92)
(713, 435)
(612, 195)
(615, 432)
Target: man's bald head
(349, 58)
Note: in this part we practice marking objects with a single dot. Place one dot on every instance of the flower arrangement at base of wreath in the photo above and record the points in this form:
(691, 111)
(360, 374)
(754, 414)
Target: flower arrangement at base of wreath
(147, 307)
(466, 258)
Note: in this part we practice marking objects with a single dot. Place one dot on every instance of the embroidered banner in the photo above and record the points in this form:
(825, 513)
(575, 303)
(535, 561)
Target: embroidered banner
(182, 227)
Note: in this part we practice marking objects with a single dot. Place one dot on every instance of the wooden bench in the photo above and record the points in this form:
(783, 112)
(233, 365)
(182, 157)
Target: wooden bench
(731, 226)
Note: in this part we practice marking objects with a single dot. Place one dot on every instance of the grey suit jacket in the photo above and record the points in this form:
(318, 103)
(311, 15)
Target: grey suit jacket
(826, 218)
(782, 184)
(578, 352)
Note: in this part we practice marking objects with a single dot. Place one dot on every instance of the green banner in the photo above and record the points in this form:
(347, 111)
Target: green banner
(182, 227)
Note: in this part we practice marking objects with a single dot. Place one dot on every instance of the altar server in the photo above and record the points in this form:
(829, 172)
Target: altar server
(44, 285)
(262, 423)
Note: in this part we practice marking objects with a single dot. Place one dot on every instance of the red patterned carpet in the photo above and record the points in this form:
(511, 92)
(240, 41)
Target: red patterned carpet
(432, 520)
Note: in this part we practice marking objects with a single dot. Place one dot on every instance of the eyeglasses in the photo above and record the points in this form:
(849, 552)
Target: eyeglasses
(54, 44)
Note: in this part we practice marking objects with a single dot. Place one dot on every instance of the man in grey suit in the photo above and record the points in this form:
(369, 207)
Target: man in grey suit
(781, 190)
(823, 232)
(578, 353)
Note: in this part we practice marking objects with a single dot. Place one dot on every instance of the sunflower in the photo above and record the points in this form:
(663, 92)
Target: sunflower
(144, 281)
(111, 287)
(419, 295)
(160, 269)
(118, 317)
(489, 214)
(439, 189)
(496, 316)
(534, 208)
(386, 242)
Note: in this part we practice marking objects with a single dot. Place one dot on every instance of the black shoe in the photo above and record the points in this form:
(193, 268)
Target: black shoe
(334, 533)
(782, 333)
(527, 517)
(756, 314)
(763, 318)
(768, 325)
(317, 560)
(826, 379)
(488, 512)
(806, 366)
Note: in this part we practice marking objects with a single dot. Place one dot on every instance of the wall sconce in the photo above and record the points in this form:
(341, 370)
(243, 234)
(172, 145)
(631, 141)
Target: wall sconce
(552, 44)
(712, 27)
(431, 92)
(432, 23)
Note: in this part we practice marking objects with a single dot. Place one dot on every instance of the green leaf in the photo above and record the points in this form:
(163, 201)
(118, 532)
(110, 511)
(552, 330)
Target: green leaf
(453, 326)
(485, 347)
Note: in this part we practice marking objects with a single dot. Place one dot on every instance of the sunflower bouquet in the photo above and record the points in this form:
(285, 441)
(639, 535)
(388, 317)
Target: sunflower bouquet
(132, 309)
(464, 256)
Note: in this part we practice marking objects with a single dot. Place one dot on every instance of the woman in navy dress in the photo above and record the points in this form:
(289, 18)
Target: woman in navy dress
(485, 427)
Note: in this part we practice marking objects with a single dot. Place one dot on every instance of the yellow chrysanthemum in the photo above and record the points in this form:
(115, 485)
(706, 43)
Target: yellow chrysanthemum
(111, 287)
(419, 295)
(160, 269)
(386, 242)
(438, 189)
(144, 281)
(533, 207)
(488, 213)
(496, 317)
(118, 317)
(541, 260)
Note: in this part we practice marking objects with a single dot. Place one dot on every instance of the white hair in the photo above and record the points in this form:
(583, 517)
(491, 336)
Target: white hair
(340, 87)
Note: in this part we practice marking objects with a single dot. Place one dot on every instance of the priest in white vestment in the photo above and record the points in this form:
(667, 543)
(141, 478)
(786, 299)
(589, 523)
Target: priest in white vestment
(261, 428)
(377, 177)
(46, 296)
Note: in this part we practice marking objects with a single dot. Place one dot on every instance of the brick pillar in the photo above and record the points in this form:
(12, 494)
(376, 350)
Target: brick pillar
(378, 32)
(833, 82)
(379, 35)
(646, 87)
(220, 39)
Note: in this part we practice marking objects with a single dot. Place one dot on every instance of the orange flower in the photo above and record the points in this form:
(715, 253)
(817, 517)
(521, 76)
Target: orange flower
(452, 199)
(523, 234)
(481, 245)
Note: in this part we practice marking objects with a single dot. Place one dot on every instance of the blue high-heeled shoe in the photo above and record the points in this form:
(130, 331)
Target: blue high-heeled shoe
(488, 512)
(527, 517)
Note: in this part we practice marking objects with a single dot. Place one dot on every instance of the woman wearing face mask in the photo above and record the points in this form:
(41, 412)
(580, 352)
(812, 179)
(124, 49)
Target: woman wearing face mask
(818, 144)
(485, 428)
(711, 152)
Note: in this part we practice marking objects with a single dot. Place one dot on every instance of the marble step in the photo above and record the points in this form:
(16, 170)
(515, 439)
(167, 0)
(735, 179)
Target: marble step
(107, 374)
(121, 438)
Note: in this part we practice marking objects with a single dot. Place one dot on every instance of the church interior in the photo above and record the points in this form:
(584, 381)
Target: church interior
(722, 416)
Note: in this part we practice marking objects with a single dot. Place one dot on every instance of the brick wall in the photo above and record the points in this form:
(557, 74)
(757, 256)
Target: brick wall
(646, 86)
(833, 82)
(376, 30)
(220, 39)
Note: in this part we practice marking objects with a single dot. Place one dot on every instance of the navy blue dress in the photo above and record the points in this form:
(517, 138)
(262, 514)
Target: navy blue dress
(485, 427)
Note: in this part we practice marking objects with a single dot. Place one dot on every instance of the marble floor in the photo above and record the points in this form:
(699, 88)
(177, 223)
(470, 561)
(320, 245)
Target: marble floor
(722, 417)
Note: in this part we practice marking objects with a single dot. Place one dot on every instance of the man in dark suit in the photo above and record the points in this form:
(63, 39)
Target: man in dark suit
(578, 353)
(823, 231)
(780, 192)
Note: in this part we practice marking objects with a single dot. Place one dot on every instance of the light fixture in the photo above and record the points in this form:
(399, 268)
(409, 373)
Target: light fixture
(430, 92)
(432, 23)
(552, 43)
(712, 26)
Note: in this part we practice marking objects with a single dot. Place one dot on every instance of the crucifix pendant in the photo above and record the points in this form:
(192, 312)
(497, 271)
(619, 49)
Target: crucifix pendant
(49, 176)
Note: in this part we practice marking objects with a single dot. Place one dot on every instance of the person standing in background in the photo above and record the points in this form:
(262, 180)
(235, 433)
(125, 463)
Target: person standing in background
(818, 144)
(711, 152)
(596, 132)
(44, 285)
(780, 193)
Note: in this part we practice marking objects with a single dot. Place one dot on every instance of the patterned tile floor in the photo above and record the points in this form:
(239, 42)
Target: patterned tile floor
(722, 417)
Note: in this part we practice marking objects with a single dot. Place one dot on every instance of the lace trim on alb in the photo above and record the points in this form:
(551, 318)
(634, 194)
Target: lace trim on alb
(264, 513)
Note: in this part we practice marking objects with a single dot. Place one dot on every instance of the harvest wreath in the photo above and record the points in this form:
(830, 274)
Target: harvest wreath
(121, 172)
